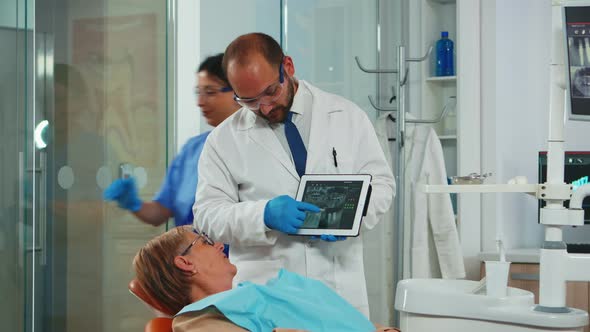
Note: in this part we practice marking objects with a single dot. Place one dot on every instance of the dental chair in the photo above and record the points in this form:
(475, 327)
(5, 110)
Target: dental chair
(163, 320)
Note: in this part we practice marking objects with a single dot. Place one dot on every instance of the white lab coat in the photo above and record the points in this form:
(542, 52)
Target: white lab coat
(243, 165)
(435, 248)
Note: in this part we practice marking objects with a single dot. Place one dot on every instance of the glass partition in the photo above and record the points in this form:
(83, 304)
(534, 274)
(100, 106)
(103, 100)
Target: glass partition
(12, 190)
(323, 38)
(84, 90)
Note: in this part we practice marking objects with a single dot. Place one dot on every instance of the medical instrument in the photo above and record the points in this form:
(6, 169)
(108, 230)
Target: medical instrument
(472, 178)
(501, 250)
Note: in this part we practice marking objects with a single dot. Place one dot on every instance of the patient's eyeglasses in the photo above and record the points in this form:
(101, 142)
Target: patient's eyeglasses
(200, 236)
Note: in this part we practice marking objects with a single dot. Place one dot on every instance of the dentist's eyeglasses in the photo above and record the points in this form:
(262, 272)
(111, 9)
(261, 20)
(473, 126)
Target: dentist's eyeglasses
(200, 236)
(271, 94)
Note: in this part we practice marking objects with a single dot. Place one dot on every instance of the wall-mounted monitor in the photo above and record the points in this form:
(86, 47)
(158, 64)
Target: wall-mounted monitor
(576, 18)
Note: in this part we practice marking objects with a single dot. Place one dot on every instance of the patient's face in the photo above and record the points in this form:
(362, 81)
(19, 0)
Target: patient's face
(212, 264)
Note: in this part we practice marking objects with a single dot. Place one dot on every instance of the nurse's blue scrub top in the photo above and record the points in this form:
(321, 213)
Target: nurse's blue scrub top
(178, 190)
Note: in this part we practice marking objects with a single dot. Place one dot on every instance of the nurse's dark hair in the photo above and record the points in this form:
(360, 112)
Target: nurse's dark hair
(245, 46)
(212, 65)
(156, 272)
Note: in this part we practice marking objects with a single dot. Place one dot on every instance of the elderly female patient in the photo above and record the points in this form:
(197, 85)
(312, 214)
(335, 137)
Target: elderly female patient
(188, 272)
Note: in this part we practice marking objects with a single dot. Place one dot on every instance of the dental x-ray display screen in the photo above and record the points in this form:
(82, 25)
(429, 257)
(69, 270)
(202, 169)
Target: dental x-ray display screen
(341, 199)
(577, 36)
(576, 172)
(338, 202)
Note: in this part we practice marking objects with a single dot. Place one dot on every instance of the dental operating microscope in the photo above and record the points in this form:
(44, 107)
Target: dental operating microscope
(568, 68)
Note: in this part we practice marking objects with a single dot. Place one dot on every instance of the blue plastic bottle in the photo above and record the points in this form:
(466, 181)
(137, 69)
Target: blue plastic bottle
(444, 55)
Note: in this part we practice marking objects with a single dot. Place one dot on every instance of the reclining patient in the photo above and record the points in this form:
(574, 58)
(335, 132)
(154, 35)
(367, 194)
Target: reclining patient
(189, 273)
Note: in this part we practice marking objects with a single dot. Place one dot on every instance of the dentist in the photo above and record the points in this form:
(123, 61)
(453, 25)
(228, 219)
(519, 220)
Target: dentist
(252, 163)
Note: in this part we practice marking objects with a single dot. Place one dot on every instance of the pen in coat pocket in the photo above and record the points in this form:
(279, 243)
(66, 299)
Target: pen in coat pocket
(334, 154)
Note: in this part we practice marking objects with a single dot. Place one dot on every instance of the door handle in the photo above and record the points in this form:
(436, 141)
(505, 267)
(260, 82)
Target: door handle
(34, 249)
(43, 207)
(21, 207)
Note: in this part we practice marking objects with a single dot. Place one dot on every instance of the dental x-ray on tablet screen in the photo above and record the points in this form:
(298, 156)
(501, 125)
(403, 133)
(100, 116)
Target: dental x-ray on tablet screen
(343, 200)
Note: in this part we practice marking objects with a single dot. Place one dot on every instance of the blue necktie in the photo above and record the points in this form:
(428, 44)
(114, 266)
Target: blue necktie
(296, 145)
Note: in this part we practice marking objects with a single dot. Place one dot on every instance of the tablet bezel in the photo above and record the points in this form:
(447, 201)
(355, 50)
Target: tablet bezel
(358, 216)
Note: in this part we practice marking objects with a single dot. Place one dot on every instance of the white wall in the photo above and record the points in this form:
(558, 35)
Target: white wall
(187, 59)
(221, 21)
(205, 28)
(515, 107)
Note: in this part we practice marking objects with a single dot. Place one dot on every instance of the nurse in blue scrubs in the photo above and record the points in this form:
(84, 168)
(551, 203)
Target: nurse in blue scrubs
(177, 194)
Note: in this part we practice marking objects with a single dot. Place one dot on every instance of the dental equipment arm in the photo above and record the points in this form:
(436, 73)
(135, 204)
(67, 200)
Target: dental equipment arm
(556, 265)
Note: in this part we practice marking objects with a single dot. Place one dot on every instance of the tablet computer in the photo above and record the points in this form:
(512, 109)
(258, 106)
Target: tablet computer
(343, 200)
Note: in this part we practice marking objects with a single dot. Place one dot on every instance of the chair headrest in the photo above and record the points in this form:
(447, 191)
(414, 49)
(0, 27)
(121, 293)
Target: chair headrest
(159, 324)
(137, 289)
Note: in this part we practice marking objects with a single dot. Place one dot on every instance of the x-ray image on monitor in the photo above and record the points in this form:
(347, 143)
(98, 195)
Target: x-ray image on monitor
(577, 44)
(579, 50)
(337, 201)
(581, 82)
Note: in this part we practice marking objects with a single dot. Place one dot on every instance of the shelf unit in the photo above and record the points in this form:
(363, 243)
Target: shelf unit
(439, 16)
(459, 132)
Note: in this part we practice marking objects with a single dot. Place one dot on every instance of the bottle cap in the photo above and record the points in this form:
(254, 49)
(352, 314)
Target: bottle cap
(444, 34)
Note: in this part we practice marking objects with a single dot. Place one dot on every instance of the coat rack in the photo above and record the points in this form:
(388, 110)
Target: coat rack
(400, 131)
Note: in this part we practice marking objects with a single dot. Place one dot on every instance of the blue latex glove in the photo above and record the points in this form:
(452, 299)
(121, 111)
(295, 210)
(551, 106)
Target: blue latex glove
(329, 238)
(124, 191)
(285, 214)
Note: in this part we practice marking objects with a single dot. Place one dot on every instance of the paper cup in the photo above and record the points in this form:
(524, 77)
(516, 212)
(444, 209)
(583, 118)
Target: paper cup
(497, 278)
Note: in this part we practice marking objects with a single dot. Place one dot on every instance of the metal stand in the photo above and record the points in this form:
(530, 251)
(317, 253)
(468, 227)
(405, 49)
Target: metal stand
(400, 130)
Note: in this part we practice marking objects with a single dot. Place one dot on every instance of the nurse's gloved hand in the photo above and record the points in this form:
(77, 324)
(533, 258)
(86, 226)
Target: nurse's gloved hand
(329, 238)
(124, 191)
(285, 214)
